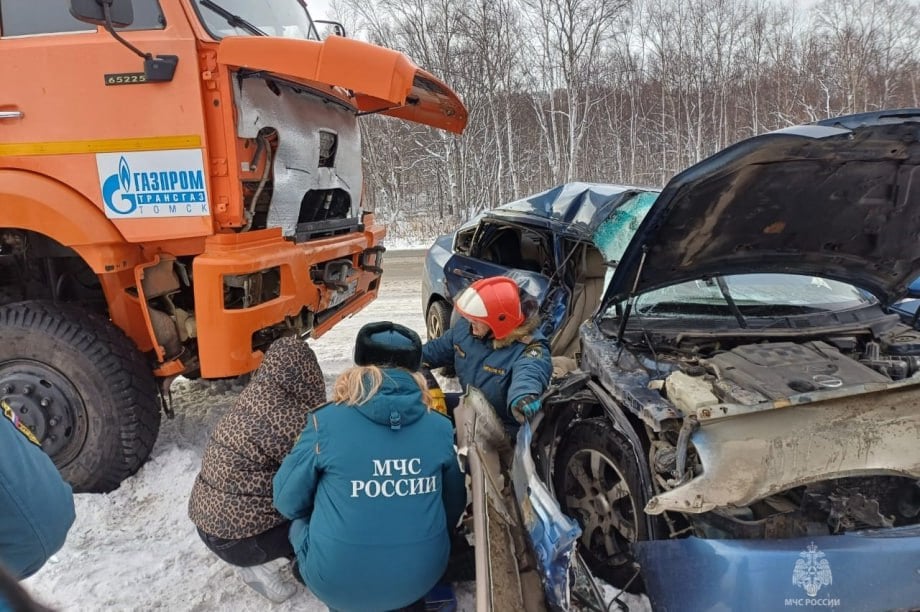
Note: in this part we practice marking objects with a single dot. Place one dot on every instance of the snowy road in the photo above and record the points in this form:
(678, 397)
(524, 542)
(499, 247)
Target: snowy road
(135, 548)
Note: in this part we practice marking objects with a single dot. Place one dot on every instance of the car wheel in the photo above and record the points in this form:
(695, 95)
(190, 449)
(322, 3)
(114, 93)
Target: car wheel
(597, 483)
(437, 320)
(83, 389)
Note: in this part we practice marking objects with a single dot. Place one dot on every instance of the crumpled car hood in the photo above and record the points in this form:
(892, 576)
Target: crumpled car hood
(839, 199)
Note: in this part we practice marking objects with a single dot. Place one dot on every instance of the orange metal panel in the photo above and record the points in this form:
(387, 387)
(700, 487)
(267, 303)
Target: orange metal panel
(381, 78)
(125, 309)
(225, 336)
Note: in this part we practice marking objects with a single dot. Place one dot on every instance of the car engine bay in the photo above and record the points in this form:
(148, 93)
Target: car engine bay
(745, 381)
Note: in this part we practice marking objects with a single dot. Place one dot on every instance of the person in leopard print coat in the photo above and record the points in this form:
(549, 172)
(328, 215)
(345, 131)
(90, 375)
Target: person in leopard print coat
(231, 501)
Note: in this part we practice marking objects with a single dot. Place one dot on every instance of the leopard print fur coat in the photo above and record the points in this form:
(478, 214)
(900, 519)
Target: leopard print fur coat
(232, 495)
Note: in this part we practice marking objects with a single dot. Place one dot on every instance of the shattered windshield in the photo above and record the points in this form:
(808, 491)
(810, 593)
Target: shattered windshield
(283, 18)
(614, 234)
(753, 295)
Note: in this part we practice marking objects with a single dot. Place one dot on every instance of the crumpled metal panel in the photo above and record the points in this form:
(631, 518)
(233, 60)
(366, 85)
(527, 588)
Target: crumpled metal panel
(750, 456)
(552, 534)
(574, 209)
(299, 118)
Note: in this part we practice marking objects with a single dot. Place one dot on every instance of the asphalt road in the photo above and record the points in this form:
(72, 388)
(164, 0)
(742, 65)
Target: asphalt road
(399, 300)
(403, 265)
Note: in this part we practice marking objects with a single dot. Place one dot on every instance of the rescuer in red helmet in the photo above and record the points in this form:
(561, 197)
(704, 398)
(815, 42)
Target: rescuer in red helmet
(496, 348)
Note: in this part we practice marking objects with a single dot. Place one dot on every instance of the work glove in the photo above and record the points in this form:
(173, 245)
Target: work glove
(438, 402)
(525, 407)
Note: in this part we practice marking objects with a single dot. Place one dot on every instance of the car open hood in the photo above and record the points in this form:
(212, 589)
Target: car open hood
(382, 80)
(838, 199)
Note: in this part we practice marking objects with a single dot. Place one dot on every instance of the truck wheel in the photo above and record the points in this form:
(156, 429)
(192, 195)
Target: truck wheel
(597, 483)
(83, 389)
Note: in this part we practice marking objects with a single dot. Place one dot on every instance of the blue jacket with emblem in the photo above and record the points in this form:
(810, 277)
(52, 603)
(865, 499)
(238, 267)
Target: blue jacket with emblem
(503, 370)
(373, 490)
(36, 504)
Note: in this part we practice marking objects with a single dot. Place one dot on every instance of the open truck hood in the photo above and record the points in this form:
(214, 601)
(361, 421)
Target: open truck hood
(382, 80)
(838, 199)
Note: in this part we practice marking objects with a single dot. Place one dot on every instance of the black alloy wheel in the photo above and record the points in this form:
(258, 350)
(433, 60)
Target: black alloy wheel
(597, 483)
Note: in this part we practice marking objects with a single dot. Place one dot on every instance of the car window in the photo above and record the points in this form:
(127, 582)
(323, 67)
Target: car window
(613, 235)
(754, 294)
(513, 247)
(24, 17)
(464, 240)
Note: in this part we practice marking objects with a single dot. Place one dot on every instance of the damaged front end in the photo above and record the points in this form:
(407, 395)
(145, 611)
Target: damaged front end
(297, 251)
(762, 456)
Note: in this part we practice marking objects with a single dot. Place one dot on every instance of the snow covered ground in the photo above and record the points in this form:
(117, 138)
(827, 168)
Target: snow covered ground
(135, 548)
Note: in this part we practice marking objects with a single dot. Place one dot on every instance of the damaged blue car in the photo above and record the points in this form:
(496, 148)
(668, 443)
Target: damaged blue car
(745, 434)
(545, 242)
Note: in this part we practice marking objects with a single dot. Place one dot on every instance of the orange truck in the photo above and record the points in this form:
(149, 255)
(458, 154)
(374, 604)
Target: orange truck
(180, 185)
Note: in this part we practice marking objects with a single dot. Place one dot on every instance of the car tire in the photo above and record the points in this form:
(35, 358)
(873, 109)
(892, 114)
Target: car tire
(83, 388)
(437, 321)
(597, 483)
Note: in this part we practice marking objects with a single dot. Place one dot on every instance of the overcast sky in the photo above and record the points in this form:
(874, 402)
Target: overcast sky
(319, 9)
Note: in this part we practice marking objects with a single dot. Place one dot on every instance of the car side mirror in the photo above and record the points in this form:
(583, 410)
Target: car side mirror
(121, 12)
(112, 14)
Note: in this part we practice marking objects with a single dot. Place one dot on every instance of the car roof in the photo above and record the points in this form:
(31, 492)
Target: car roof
(574, 209)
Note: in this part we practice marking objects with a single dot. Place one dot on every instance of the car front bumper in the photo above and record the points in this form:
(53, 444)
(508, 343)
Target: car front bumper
(870, 570)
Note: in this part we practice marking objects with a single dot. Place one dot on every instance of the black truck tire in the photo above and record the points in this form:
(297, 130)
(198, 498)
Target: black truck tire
(82, 387)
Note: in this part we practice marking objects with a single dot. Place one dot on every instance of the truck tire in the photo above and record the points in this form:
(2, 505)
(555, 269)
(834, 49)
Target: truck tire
(83, 389)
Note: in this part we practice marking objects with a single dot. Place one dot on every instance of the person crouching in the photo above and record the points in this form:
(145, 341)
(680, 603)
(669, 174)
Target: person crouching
(231, 501)
(373, 485)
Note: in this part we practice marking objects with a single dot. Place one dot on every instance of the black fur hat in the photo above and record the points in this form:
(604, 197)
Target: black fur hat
(388, 345)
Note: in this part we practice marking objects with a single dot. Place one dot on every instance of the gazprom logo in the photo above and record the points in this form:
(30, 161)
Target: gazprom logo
(153, 184)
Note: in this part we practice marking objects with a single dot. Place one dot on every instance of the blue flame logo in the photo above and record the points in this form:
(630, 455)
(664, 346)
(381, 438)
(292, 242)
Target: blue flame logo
(124, 202)
(124, 173)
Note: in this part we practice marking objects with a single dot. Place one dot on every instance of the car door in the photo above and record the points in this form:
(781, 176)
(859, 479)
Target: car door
(498, 248)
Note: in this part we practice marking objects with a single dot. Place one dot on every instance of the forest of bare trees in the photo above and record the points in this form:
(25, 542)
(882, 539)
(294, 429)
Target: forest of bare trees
(615, 91)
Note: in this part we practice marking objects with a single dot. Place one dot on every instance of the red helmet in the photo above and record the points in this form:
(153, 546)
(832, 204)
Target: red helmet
(493, 301)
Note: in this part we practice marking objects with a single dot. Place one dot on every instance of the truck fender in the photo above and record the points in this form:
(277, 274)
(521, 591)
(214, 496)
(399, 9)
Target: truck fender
(41, 204)
(36, 202)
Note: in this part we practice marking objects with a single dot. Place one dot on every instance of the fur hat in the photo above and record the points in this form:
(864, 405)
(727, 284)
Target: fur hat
(388, 345)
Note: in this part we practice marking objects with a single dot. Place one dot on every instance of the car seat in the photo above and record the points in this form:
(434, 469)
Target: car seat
(586, 295)
(505, 249)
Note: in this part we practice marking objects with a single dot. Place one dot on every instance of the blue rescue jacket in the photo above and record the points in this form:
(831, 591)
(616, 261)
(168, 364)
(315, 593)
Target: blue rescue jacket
(36, 504)
(373, 490)
(503, 370)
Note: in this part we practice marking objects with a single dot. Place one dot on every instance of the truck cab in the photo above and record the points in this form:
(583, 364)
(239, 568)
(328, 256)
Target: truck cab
(180, 185)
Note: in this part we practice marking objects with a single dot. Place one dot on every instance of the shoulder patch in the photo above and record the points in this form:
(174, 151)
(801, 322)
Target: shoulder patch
(534, 351)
